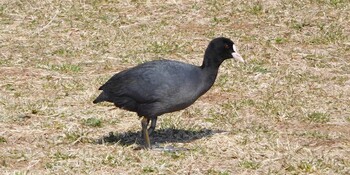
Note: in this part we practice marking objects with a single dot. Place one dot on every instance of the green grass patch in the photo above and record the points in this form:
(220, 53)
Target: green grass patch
(248, 164)
(216, 172)
(328, 34)
(311, 166)
(93, 122)
(72, 136)
(62, 52)
(66, 68)
(256, 9)
(318, 117)
(306, 167)
(62, 156)
(260, 69)
(280, 40)
(176, 155)
(347, 119)
(149, 169)
(3, 139)
(314, 134)
(9, 87)
(299, 25)
(163, 47)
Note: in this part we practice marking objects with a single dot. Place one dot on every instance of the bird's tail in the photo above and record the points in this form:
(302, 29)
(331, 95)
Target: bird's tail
(102, 97)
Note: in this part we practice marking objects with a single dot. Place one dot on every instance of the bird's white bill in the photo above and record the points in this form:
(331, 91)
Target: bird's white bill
(237, 57)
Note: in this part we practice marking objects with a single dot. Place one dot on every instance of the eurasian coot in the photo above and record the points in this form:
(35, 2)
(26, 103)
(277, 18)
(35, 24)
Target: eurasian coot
(162, 86)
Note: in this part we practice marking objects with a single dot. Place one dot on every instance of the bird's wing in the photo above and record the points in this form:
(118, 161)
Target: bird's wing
(148, 82)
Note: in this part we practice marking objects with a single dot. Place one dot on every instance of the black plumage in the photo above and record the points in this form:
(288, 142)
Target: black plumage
(162, 86)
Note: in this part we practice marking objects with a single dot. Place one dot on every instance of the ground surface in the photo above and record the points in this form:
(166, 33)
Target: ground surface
(285, 112)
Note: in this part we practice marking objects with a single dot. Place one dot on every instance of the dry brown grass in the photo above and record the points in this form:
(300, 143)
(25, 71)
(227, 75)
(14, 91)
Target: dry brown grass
(285, 112)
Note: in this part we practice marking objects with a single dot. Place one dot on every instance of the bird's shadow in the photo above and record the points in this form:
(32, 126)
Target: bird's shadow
(160, 136)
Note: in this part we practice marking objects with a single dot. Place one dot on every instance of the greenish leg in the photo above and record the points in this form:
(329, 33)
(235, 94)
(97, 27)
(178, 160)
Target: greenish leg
(153, 125)
(144, 124)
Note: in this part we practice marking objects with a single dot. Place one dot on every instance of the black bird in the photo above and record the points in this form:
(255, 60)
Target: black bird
(162, 86)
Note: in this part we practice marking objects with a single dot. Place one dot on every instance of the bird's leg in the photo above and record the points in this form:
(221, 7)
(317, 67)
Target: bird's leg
(147, 125)
(153, 125)
(144, 124)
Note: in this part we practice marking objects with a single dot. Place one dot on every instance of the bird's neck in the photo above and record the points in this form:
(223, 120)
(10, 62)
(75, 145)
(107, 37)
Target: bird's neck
(210, 65)
(210, 68)
(211, 60)
(209, 75)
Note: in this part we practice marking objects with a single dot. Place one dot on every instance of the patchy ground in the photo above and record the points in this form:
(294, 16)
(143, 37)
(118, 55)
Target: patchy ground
(285, 112)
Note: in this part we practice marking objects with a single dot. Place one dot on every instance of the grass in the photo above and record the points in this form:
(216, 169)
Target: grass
(318, 117)
(284, 112)
(2, 140)
(249, 164)
(93, 122)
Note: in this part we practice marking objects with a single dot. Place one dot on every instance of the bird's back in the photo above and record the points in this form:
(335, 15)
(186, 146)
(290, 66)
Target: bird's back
(155, 87)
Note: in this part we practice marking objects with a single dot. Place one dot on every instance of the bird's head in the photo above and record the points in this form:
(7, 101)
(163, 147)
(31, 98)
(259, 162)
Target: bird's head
(226, 49)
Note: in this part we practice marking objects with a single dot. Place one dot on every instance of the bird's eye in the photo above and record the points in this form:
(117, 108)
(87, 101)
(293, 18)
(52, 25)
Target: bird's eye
(226, 46)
